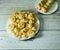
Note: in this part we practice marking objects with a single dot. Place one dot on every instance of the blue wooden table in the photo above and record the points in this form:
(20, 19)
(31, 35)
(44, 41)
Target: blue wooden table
(48, 36)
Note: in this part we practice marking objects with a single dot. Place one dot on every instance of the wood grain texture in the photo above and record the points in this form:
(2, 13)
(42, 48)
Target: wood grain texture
(48, 39)
(48, 36)
(9, 6)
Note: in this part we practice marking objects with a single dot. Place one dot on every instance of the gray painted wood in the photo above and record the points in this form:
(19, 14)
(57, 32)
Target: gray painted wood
(48, 36)
(45, 39)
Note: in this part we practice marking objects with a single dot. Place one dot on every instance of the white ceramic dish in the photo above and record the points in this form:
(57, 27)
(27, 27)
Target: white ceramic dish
(52, 9)
(11, 34)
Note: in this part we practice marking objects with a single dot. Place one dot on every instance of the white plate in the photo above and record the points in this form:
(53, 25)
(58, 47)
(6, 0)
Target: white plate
(52, 9)
(11, 34)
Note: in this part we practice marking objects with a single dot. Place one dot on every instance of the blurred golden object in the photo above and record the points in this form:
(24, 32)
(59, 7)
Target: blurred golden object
(22, 24)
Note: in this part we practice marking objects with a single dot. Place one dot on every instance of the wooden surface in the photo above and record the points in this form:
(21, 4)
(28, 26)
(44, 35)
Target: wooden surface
(48, 36)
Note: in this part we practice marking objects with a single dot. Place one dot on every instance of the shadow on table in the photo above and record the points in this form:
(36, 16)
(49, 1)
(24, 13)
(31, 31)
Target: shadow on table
(40, 34)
